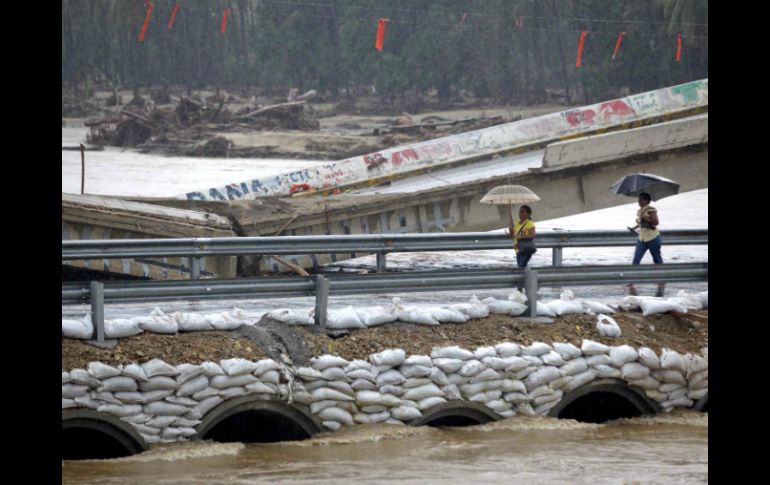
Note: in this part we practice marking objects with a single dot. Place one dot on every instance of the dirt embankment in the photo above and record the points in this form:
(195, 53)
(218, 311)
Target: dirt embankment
(278, 341)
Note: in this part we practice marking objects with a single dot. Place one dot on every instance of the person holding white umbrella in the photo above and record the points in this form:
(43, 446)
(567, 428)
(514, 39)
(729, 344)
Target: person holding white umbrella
(523, 230)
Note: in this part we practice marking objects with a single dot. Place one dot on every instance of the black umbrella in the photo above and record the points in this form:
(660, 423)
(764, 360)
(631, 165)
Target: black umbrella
(655, 185)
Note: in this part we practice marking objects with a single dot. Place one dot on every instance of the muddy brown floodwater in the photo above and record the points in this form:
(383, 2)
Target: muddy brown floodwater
(667, 448)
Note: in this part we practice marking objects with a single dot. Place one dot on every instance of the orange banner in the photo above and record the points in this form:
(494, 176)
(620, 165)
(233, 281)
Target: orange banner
(380, 34)
(678, 47)
(146, 21)
(580, 47)
(173, 15)
(224, 20)
(617, 44)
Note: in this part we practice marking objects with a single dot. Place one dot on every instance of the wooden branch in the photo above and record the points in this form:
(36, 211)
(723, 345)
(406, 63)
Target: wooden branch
(293, 266)
(267, 109)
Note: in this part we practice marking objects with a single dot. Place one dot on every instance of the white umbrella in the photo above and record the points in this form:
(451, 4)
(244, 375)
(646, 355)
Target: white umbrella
(510, 194)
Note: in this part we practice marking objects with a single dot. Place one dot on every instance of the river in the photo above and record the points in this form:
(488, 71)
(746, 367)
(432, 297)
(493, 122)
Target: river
(667, 448)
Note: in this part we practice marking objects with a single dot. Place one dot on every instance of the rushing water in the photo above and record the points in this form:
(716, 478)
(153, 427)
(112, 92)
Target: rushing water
(668, 448)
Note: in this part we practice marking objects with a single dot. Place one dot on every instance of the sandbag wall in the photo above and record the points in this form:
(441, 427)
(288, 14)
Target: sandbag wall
(165, 403)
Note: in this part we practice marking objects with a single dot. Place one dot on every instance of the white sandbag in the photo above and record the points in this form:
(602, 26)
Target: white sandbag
(118, 384)
(328, 393)
(598, 359)
(308, 373)
(536, 349)
(681, 392)
(544, 375)
(373, 316)
(532, 360)
(405, 413)
(341, 386)
(162, 408)
(449, 366)
(359, 364)
(670, 359)
(422, 392)
(607, 326)
(607, 371)
(648, 383)
(452, 392)
(182, 400)
(544, 310)
(507, 414)
(364, 418)
(621, 354)
(302, 397)
(473, 310)
(261, 388)
(187, 372)
(65, 377)
(71, 391)
(567, 351)
(364, 398)
(157, 322)
(120, 328)
(161, 421)
(372, 409)
(191, 322)
(87, 402)
(416, 315)
(274, 377)
(204, 407)
(336, 414)
(133, 371)
(157, 367)
(226, 320)
(421, 360)
(211, 369)
(518, 296)
(325, 361)
(122, 411)
(81, 328)
(634, 370)
(447, 315)
(452, 352)
(543, 409)
(504, 307)
(140, 418)
(567, 295)
(332, 425)
(388, 399)
(472, 389)
(651, 307)
(631, 302)
(343, 319)
(389, 357)
(106, 397)
(237, 366)
(482, 352)
(495, 363)
(648, 357)
(232, 392)
(457, 379)
(703, 296)
(596, 307)
(471, 368)
(194, 385)
(292, 317)
(499, 405)
(143, 397)
(552, 358)
(670, 375)
(579, 380)
(511, 385)
(690, 302)
(223, 382)
(669, 387)
(574, 366)
(158, 383)
(697, 395)
(508, 349)
(186, 423)
(429, 402)
(526, 409)
(319, 406)
(564, 307)
(391, 377)
(485, 375)
(560, 382)
(359, 374)
(83, 378)
(517, 397)
(102, 371)
(486, 396)
(683, 402)
(695, 364)
(589, 347)
(523, 373)
(390, 389)
(547, 398)
(266, 365)
(413, 371)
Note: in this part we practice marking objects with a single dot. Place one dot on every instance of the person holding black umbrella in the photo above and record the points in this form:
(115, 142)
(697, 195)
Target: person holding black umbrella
(649, 237)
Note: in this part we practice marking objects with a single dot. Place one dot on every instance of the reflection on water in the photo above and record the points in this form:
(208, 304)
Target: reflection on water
(661, 449)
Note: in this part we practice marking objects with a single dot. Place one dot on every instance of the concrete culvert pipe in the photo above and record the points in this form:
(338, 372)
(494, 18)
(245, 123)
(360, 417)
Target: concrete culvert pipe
(88, 435)
(603, 400)
(250, 420)
(456, 413)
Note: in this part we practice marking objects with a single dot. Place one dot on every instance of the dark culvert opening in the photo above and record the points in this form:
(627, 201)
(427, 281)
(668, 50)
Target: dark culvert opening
(600, 407)
(705, 407)
(257, 426)
(91, 444)
(453, 421)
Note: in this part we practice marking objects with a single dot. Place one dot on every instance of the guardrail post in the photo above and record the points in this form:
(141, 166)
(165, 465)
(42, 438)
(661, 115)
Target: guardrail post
(557, 255)
(381, 262)
(321, 300)
(97, 309)
(530, 287)
(195, 267)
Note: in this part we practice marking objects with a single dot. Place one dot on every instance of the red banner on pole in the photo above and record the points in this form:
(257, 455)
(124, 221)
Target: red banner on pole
(146, 21)
(678, 47)
(580, 47)
(380, 34)
(173, 15)
(617, 44)
(224, 20)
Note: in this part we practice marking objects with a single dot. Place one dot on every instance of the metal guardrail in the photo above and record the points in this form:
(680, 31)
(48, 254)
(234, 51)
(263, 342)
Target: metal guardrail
(380, 244)
(531, 278)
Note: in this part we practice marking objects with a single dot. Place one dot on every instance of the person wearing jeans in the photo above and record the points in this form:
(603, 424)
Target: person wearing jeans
(649, 237)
